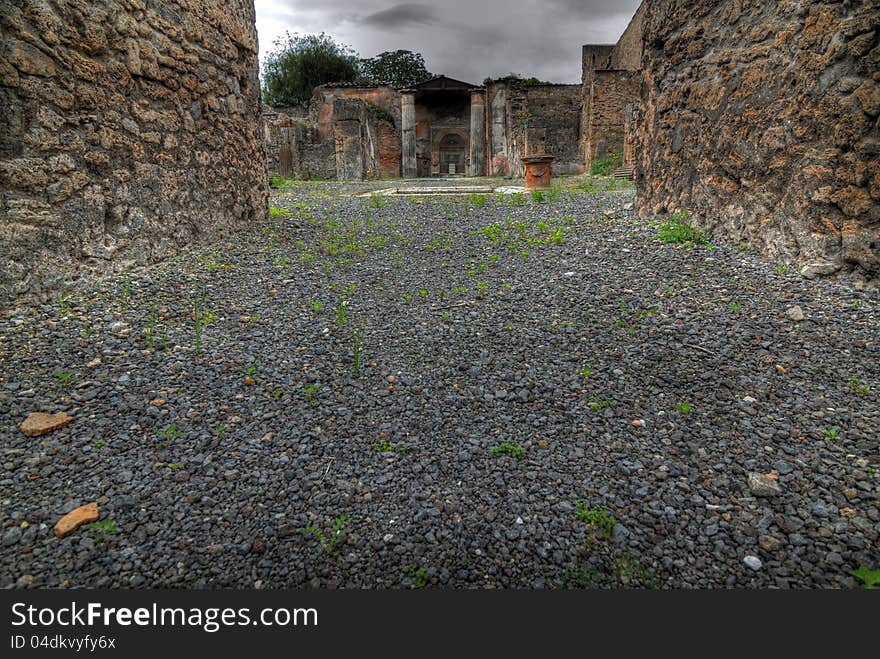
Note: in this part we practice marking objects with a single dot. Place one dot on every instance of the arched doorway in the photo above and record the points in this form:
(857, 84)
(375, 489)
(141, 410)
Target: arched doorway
(452, 149)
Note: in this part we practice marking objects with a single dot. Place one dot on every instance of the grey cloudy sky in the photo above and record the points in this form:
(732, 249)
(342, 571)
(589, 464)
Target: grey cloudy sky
(465, 39)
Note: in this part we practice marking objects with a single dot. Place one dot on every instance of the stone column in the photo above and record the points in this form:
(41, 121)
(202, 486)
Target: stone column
(477, 166)
(408, 135)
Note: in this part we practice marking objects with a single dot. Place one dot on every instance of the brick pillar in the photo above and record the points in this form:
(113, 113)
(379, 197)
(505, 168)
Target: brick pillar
(408, 134)
(477, 166)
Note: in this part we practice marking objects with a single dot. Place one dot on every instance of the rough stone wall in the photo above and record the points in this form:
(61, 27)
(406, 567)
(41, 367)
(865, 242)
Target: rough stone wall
(553, 125)
(610, 92)
(762, 119)
(323, 147)
(498, 154)
(131, 130)
(627, 52)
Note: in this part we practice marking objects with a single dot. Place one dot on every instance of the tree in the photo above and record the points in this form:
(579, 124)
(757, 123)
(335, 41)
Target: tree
(399, 68)
(298, 64)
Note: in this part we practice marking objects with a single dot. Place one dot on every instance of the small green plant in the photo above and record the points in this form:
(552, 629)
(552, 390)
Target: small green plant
(277, 213)
(250, 371)
(407, 297)
(105, 528)
(508, 448)
(684, 407)
(781, 268)
(858, 388)
(201, 316)
(831, 434)
(65, 378)
(315, 306)
(310, 392)
(383, 446)
(557, 236)
(332, 539)
(482, 287)
(597, 405)
(341, 315)
(65, 307)
(100, 444)
(586, 372)
(282, 262)
(175, 466)
(477, 199)
(376, 201)
(220, 429)
(870, 578)
(596, 517)
(418, 575)
(604, 166)
(677, 230)
(734, 307)
(538, 196)
(169, 433)
(277, 394)
(423, 293)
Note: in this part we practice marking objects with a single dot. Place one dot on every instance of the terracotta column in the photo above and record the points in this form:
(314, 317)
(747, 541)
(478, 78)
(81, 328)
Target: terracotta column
(477, 166)
(408, 135)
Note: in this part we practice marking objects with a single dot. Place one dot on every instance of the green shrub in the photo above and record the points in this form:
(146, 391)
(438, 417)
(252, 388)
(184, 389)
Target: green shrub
(604, 166)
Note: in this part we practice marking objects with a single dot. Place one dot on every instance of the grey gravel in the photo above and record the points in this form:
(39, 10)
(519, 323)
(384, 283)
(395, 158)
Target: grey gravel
(217, 485)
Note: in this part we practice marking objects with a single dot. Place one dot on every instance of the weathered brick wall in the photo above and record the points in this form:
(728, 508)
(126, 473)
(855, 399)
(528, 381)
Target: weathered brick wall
(609, 94)
(553, 126)
(627, 52)
(130, 130)
(762, 119)
(379, 125)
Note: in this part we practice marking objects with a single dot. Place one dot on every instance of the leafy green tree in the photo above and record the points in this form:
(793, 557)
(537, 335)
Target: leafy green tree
(298, 64)
(399, 68)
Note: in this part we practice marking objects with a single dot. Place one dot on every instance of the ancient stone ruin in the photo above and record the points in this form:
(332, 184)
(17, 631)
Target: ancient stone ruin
(133, 130)
(439, 127)
(130, 131)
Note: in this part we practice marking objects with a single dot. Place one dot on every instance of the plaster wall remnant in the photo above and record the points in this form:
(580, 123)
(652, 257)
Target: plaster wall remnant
(130, 131)
(762, 120)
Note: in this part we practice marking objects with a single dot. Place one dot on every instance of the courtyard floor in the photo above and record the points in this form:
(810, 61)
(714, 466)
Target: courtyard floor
(480, 391)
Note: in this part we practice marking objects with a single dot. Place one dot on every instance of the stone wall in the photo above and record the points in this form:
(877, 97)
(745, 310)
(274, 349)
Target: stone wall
(321, 141)
(610, 92)
(762, 120)
(553, 125)
(130, 131)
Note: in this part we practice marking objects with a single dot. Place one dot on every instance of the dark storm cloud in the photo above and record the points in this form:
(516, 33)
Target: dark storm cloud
(465, 39)
(400, 15)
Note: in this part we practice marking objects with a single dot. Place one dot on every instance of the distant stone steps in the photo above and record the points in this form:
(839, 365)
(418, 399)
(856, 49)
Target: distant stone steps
(626, 171)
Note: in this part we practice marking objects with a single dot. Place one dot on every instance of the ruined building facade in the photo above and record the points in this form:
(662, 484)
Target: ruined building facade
(439, 127)
(130, 130)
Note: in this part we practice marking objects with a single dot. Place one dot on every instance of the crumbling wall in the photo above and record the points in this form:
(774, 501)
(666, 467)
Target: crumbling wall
(762, 119)
(130, 131)
(331, 112)
(611, 91)
(553, 125)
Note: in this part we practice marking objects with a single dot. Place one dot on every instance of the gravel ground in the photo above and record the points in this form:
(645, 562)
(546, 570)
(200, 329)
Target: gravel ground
(446, 392)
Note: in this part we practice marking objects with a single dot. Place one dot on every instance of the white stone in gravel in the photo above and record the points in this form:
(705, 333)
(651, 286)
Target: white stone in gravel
(761, 485)
(753, 562)
(388, 537)
(519, 520)
(795, 313)
(750, 400)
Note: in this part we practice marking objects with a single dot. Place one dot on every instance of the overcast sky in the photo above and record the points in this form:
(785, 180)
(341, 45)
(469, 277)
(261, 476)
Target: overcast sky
(465, 39)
